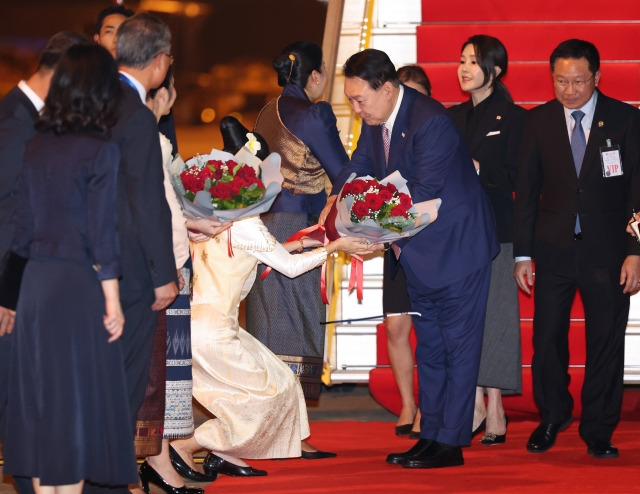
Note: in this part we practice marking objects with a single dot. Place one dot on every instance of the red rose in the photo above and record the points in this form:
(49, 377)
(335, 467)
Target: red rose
(221, 191)
(359, 187)
(391, 188)
(399, 210)
(405, 200)
(385, 195)
(373, 201)
(235, 187)
(347, 189)
(360, 209)
(246, 172)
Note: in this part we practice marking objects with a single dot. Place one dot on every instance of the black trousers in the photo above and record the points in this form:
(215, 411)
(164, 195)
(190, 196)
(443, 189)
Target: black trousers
(137, 342)
(606, 313)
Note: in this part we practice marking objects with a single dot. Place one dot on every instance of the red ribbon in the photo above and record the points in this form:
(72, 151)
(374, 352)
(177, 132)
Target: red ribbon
(355, 277)
(318, 232)
(229, 247)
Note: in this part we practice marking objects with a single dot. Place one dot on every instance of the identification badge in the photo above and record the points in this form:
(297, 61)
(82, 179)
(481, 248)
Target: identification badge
(611, 160)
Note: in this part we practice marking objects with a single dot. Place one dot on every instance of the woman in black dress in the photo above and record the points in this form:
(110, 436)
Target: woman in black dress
(68, 418)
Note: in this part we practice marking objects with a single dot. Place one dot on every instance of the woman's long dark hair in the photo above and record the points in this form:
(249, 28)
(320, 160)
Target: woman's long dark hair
(84, 93)
(295, 63)
(490, 53)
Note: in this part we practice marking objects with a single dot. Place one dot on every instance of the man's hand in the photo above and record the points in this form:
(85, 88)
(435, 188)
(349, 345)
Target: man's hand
(523, 272)
(164, 296)
(327, 208)
(630, 274)
(7, 320)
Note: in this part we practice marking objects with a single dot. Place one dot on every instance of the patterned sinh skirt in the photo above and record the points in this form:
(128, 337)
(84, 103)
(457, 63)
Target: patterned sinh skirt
(178, 415)
(284, 314)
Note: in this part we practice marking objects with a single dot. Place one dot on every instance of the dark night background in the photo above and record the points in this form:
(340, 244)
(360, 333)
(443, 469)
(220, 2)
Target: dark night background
(223, 57)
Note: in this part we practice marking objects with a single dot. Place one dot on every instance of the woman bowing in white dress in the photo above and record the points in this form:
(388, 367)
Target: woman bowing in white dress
(256, 399)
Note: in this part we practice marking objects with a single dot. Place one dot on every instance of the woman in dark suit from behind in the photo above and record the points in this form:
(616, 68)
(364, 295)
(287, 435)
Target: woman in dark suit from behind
(492, 125)
(68, 410)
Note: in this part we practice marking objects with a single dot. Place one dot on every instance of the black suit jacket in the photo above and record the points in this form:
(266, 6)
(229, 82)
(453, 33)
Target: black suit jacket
(494, 143)
(549, 194)
(17, 120)
(144, 218)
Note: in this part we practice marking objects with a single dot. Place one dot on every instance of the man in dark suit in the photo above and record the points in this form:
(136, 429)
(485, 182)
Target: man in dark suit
(578, 183)
(18, 113)
(144, 220)
(447, 264)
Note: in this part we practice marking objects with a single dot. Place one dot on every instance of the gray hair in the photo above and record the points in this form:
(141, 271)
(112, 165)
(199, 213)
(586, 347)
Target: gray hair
(140, 39)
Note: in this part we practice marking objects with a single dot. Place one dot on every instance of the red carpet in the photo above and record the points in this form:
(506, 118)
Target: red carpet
(363, 446)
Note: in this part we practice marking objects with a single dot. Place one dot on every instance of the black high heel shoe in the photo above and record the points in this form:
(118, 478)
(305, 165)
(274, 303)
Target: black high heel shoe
(482, 427)
(186, 471)
(148, 474)
(491, 439)
(214, 465)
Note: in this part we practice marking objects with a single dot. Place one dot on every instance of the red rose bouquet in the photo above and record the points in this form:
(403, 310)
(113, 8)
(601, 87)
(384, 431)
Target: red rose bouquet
(220, 185)
(231, 185)
(383, 203)
(381, 211)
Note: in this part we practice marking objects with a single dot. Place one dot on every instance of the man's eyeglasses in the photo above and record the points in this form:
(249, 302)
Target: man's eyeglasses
(564, 84)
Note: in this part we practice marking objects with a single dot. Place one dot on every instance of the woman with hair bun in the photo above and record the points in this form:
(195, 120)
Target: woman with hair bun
(492, 125)
(285, 314)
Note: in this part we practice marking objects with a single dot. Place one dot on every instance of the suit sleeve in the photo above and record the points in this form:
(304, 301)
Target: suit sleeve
(528, 189)
(142, 166)
(632, 157)
(321, 135)
(361, 161)
(102, 194)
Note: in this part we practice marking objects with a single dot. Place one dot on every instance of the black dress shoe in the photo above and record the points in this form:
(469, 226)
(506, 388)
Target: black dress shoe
(544, 436)
(481, 428)
(491, 439)
(214, 465)
(148, 474)
(403, 430)
(602, 449)
(185, 470)
(399, 458)
(317, 455)
(437, 455)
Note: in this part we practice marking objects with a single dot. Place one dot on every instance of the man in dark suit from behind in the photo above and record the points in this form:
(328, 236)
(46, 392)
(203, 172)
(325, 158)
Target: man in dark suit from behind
(144, 220)
(447, 264)
(578, 184)
(18, 113)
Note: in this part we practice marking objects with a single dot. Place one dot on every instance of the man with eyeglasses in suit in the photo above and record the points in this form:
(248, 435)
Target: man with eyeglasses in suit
(578, 176)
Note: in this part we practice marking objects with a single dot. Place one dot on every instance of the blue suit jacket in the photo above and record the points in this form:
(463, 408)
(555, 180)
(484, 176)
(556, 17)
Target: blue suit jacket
(17, 126)
(429, 151)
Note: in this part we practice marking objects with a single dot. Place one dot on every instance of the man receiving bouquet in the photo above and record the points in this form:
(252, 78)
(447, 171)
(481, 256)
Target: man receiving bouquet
(447, 265)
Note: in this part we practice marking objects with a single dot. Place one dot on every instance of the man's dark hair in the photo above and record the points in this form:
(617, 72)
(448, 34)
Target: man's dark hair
(577, 49)
(57, 46)
(372, 66)
(84, 92)
(114, 9)
(140, 39)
